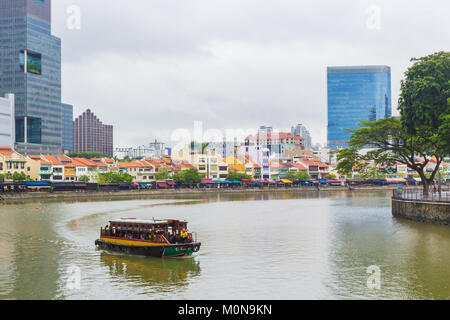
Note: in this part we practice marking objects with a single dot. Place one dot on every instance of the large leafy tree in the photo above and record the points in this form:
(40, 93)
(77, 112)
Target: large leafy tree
(162, 174)
(391, 143)
(190, 176)
(113, 177)
(84, 178)
(233, 176)
(19, 176)
(299, 175)
(424, 102)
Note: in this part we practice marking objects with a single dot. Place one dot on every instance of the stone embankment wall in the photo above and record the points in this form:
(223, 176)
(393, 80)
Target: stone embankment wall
(422, 211)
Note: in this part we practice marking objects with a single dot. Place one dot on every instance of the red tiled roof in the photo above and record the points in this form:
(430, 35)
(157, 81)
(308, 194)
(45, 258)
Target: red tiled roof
(186, 166)
(309, 162)
(64, 158)
(53, 160)
(299, 166)
(5, 151)
(87, 163)
(136, 164)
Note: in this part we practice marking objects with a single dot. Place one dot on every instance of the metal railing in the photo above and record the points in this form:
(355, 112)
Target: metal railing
(432, 196)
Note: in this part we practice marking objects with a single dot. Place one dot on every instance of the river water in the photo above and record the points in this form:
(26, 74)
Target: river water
(262, 246)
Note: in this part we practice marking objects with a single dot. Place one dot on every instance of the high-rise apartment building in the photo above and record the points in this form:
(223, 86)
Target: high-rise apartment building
(91, 135)
(67, 127)
(302, 131)
(355, 94)
(30, 68)
(7, 122)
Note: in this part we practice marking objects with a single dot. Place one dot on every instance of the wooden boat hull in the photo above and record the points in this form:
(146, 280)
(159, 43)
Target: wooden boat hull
(150, 249)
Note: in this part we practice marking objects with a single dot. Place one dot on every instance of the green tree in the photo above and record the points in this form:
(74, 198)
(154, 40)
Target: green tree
(114, 177)
(372, 173)
(201, 147)
(190, 176)
(232, 176)
(84, 178)
(87, 155)
(444, 131)
(19, 176)
(330, 176)
(424, 100)
(299, 175)
(392, 144)
(162, 174)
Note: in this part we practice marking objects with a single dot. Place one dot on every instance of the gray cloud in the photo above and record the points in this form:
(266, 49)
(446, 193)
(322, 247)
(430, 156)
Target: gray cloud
(150, 67)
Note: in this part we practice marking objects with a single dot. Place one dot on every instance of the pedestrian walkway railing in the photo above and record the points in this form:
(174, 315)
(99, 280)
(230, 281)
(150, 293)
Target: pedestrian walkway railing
(434, 196)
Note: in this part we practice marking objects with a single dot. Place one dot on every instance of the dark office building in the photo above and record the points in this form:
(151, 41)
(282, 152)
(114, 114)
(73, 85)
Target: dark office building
(30, 67)
(91, 135)
(67, 127)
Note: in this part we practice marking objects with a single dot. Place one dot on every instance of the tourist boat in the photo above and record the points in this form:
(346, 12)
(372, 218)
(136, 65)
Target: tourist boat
(155, 238)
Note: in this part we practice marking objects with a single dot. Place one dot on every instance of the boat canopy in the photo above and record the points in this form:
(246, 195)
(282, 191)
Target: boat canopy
(136, 221)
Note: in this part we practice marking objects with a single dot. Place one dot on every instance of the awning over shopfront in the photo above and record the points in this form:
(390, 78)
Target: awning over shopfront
(286, 181)
(37, 184)
(146, 184)
(162, 185)
(207, 181)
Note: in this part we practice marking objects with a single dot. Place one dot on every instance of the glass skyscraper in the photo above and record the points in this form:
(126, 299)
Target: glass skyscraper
(30, 67)
(355, 94)
(67, 127)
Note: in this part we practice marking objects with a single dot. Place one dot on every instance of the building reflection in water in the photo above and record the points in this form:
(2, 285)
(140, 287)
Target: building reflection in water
(151, 272)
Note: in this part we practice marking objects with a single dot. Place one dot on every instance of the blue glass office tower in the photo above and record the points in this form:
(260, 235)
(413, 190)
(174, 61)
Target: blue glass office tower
(355, 94)
(67, 127)
(30, 67)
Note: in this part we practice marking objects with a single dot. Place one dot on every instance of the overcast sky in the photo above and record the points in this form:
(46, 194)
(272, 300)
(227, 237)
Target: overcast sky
(150, 67)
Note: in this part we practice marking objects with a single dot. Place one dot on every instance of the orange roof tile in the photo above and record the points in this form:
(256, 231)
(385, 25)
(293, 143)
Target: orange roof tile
(299, 166)
(5, 151)
(53, 160)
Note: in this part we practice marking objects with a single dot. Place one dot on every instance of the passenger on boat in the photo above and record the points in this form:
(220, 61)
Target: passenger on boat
(184, 236)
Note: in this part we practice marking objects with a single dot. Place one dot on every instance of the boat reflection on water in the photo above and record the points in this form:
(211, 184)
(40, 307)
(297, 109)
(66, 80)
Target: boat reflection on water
(150, 271)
